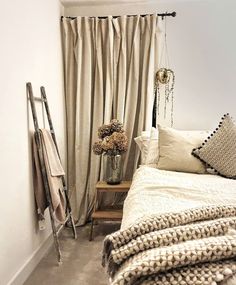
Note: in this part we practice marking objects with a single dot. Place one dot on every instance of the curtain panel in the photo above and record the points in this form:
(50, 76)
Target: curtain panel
(109, 69)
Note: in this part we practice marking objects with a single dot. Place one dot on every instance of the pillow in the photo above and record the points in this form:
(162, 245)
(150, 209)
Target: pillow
(143, 143)
(175, 150)
(153, 149)
(219, 150)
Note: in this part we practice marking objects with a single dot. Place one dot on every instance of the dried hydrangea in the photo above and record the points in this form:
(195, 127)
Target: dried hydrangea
(113, 140)
(120, 141)
(104, 131)
(108, 144)
(97, 148)
(116, 126)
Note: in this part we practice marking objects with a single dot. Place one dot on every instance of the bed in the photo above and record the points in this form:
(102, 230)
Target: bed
(179, 221)
(132, 255)
(156, 191)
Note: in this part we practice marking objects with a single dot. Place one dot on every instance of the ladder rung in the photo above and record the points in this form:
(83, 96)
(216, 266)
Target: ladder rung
(39, 99)
(61, 226)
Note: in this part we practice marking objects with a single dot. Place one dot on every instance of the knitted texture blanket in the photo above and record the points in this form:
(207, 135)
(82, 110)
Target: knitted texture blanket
(196, 246)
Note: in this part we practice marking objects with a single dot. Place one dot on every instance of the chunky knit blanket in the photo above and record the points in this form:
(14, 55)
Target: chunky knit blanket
(196, 246)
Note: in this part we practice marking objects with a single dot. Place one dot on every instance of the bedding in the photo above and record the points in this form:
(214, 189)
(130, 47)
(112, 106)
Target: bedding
(153, 149)
(176, 227)
(175, 150)
(143, 144)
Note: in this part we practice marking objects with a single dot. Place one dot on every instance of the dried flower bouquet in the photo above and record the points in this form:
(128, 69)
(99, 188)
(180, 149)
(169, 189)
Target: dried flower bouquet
(112, 139)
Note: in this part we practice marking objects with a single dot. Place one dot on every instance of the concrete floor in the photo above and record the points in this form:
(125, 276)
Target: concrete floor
(81, 259)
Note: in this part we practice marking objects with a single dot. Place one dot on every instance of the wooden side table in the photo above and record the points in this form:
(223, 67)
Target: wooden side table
(108, 214)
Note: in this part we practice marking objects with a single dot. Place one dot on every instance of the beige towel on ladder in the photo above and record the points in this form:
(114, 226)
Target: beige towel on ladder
(54, 172)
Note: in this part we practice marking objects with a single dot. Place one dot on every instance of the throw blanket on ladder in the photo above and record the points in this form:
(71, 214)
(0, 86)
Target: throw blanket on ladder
(54, 172)
(196, 246)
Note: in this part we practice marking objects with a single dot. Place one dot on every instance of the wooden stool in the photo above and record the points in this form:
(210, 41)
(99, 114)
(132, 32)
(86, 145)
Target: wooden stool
(108, 214)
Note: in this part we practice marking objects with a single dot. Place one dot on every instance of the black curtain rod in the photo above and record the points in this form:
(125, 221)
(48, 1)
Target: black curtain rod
(162, 15)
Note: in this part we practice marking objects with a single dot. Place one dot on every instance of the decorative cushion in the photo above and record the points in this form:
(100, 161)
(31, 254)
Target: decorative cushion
(175, 150)
(219, 150)
(153, 149)
(143, 144)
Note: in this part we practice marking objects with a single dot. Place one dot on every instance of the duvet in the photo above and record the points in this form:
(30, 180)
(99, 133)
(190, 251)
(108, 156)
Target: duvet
(177, 228)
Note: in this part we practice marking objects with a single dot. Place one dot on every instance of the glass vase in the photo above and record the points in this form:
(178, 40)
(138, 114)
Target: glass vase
(112, 169)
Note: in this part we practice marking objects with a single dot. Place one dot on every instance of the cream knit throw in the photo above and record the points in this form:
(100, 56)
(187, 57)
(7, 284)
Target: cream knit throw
(189, 247)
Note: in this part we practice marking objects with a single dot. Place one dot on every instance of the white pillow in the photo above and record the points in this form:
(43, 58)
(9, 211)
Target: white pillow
(143, 144)
(153, 149)
(175, 150)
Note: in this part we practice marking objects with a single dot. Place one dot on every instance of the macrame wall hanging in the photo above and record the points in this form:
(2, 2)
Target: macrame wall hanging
(164, 82)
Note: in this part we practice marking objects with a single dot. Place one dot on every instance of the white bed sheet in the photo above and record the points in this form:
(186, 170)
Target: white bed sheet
(156, 191)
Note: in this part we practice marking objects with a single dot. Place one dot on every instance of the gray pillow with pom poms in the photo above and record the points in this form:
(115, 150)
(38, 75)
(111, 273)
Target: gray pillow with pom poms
(219, 150)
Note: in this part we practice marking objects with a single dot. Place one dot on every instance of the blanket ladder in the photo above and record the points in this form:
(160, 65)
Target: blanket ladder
(69, 219)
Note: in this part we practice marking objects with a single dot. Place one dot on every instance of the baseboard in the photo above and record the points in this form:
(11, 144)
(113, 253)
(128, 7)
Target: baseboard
(26, 269)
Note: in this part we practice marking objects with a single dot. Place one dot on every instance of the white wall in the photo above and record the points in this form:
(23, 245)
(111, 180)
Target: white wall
(30, 50)
(202, 47)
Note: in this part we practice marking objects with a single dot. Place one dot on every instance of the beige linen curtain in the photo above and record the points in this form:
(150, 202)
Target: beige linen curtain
(109, 73)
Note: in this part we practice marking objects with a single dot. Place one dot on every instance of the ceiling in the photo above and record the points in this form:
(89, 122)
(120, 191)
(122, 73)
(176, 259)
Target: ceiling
(73, 3)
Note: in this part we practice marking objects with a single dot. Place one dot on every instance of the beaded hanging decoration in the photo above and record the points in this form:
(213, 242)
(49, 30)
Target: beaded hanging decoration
(165, 76)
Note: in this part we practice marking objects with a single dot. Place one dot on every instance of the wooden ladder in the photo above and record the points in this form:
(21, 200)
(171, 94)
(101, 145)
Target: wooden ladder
(69, 219)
